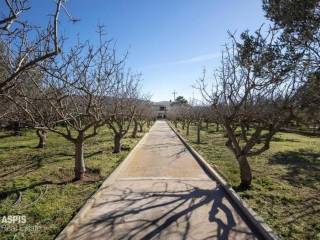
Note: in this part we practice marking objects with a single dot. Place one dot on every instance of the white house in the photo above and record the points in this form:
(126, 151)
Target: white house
(161, 108)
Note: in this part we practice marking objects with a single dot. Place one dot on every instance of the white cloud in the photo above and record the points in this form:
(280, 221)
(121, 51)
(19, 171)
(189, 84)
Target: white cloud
(194, 59)
(199, 58)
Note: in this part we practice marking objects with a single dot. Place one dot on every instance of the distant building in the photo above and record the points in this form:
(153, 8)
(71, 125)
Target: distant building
(161, 108)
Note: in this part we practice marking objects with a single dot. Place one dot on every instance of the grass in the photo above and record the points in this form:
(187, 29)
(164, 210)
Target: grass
(286, 179)
(37, 182)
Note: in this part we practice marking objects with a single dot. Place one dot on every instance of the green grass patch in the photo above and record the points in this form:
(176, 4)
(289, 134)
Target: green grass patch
(36, 182)
(286, 179)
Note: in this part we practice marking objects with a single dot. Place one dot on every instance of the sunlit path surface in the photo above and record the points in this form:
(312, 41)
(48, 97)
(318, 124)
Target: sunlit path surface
(162, 193)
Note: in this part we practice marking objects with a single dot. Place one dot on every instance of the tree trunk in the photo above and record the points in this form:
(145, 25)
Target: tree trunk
(207, 125)
(140, 127)
(245, 172)
(217, 127)
(117, 143)
(42, 134)
(176, 124)
(135, 129)
(183, 124)
(188, 127)
(16, 129)
(79, 168)
(198, 132)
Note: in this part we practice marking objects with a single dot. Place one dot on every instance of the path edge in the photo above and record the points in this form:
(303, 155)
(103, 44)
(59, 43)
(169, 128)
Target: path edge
(70, 227)
(258, 223)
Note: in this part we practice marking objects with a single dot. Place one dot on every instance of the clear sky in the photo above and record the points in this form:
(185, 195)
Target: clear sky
(169, 41)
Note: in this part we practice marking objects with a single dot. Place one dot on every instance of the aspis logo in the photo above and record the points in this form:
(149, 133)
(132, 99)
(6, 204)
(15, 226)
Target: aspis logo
(13, 219)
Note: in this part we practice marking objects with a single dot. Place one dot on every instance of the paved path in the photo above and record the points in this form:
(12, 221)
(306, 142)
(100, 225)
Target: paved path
(162, 193)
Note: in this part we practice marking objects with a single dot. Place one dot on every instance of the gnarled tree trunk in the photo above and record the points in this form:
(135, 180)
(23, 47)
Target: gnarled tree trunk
(198, 131)
(17, 129)
(141, 127)
(245, 171)
(135, 128)
(79, 168)
(42, 134)
(117, 143)
(188, 127)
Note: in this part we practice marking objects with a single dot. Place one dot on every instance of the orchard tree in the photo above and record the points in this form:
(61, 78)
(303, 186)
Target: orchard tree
(17, 97)
(298, 22)
(144, 113)
(308, 101)
(12, 119)
(121, 108)
(70, 99)
(23, 45)
(187, 117)
(198, 115)
(174, 114)
(253, 95)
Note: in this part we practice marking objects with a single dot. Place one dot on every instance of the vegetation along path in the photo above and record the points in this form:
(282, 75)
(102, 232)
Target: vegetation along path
(160, 192)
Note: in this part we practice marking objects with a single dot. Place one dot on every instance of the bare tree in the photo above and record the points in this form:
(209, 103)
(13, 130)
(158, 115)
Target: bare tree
(13, 9)
(12, 116)
(12, 120)
(198, 115)
(253, 95)
(144, 113)
(24, 45)
(187, 116)
(174, 114)
(70, 99)
(122, 106)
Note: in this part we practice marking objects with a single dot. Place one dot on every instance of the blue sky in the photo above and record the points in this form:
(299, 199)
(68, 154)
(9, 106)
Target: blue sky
(169, 41)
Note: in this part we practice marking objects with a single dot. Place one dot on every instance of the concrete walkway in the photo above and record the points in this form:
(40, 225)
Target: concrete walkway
(161, 192)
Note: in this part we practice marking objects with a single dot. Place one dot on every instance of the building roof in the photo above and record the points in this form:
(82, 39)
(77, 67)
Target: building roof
(162, 103)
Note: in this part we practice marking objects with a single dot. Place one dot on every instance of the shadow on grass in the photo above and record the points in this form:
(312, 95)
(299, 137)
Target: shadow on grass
(303, 167)
(31, 164)
(12, 148)
(92, 175)
(17, 191)
(201, 142)
(86, 155)
(6, 136)
(280, 139)
(212, 131)
(241, 188)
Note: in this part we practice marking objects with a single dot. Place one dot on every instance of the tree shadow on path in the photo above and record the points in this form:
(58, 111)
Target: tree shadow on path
(194, 213)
